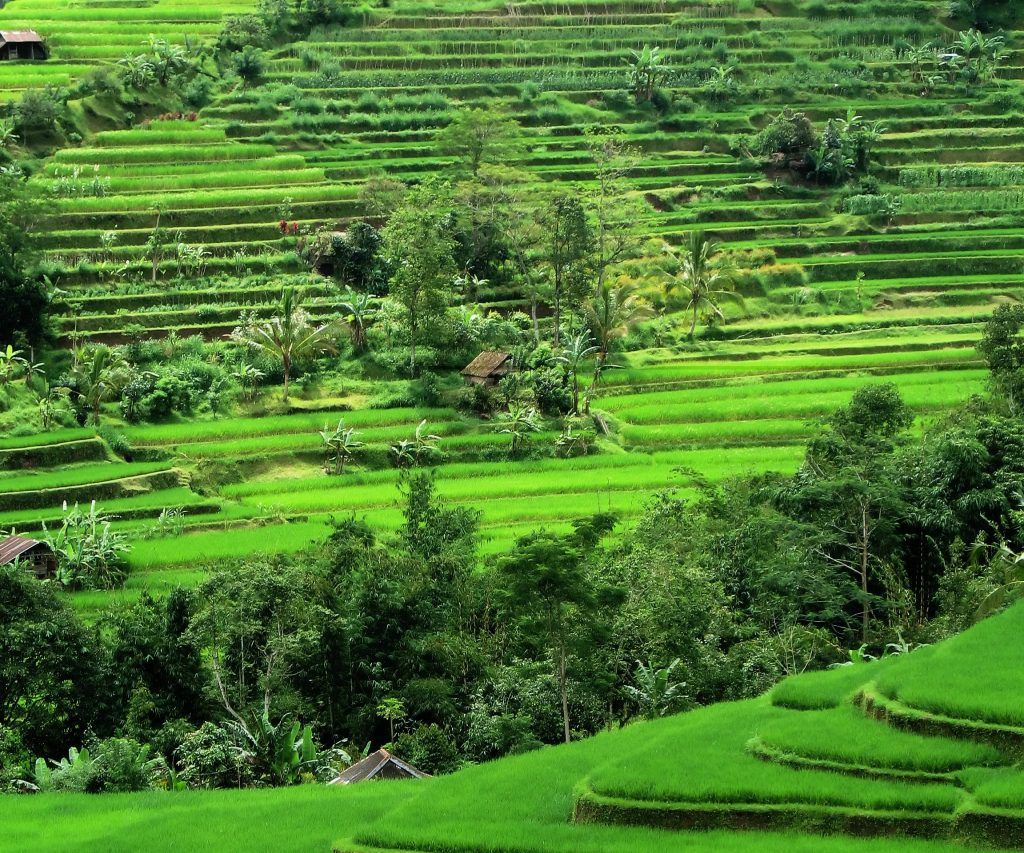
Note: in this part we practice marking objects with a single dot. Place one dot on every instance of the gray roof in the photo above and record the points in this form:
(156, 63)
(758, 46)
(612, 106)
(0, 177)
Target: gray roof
(489, 364)
(14, 546)
(379, 764)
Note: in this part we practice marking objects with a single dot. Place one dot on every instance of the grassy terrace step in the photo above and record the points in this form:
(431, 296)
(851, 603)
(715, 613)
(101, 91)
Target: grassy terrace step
(845, 735)
(144, 505)
(56, 453)
(984, 687)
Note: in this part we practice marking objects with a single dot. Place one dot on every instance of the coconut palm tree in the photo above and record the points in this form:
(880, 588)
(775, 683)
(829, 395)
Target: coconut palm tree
(613, 314)
(702, 279)
(291, 336)
(578, 349)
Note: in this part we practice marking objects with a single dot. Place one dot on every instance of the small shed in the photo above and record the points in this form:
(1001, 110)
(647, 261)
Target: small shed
(36, 556)
(21, 44)
(488, 367)
(379, 765)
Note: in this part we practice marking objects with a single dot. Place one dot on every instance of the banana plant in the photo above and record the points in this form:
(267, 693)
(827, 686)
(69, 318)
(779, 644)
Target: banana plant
(341, 444)
(11, 360)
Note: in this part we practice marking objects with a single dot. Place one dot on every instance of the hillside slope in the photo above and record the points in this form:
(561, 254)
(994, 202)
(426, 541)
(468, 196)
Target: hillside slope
(820, 754)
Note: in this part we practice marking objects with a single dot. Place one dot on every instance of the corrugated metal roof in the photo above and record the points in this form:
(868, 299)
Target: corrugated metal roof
(488, 363)
(373, 765)
(14, 546)
(20, 36)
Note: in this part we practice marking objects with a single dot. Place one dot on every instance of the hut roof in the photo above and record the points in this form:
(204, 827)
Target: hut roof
(489, 364)
(14, 546)
(20, 37)
(380, 763)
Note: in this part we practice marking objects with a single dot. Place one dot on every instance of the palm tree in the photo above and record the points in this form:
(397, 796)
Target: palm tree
(340, 443)
(579, 348)
(517, 422)
(137, 70)
(409, 453)
(702, 279)
(100, 373)
(52, 402)
(361, 308)
(614, 313)
(290, 336)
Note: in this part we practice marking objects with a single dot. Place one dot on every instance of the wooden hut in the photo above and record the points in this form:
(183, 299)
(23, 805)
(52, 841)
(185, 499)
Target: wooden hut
(21, 44)
(36, 556)
(488, 367)
(379, 765)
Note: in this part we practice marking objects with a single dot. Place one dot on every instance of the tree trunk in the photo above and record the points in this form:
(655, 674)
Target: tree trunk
(533, 316)
(693, 323)
(564, 690)
(287, 364)
(558, 311)
(864, 557)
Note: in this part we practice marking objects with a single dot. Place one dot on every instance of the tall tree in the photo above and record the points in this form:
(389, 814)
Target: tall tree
(22, 294)
(567, 251)
(419, 245)
(546, 587)
(523, 232)
(612, 209)
(1002, 346)
(478, 136)
(848, 487)
(291, 336)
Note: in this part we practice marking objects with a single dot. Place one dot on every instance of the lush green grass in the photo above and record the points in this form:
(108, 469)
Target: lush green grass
(308, 818)
(714, 768)
(978, 675)
(826, 688)
(207, 547)
(76, 475)
(846, 736)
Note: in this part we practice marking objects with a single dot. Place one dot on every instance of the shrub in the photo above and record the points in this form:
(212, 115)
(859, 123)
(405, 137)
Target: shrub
(209, 758)
(788, 133)
(249, 64)
(429, 749)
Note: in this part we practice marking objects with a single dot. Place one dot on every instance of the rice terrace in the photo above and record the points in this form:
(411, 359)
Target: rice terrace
(455, 426)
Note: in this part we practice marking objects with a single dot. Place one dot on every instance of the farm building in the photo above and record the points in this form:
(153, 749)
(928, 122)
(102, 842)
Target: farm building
(21, 44)
(488, 367)
(379, 765)
(31, 553)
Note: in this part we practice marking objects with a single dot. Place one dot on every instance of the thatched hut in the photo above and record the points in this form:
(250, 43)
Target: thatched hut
(488, 368)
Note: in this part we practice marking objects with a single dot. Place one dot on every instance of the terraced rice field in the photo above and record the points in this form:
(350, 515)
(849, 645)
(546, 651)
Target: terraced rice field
(83, 36)
(367, 101)
(833, 298)
(674, 417)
